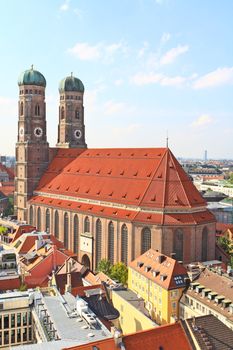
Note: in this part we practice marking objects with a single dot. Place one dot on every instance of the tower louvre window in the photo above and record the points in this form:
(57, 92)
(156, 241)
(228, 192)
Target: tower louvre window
(37, 110)
(21, 108)
(62, 112)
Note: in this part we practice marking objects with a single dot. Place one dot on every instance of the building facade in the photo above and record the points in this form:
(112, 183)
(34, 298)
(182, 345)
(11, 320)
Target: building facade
(160, 281)
(103, 203)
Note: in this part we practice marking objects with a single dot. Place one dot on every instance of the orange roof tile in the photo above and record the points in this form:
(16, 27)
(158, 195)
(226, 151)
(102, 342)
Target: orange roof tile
(163, 270)
(150, 177)
(170, 337)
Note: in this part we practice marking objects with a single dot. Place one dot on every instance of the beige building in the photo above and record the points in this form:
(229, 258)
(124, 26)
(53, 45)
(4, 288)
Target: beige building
(15, 319)
(211, 293)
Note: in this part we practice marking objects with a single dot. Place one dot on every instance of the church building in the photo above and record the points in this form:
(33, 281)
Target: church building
(105, 202)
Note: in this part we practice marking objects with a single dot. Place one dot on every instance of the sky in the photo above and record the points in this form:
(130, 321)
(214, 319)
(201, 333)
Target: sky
(149, 67)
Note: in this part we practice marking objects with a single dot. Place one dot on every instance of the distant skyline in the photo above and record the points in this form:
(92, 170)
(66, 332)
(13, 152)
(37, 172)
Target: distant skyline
(148, 66)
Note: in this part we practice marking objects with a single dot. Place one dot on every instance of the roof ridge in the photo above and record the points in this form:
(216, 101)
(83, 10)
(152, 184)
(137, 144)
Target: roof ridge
(178, 174)
(152, 178)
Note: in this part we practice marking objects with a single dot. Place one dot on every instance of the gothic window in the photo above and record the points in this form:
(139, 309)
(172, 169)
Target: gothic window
(204, 245)
(62, 112)
(75, 248)
(77, 114)
(145, 239)
(39, 219)
(37, 110)
(66, 231)
(31, 215)
(56, 224)
(111, 242)
(47, 220)
(178, 244)
(124, 244)
(86, 224)
(21, 108)
(98, 242)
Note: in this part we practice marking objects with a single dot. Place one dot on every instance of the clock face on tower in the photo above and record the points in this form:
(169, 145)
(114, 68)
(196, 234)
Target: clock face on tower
(38, 132)
(78, 134)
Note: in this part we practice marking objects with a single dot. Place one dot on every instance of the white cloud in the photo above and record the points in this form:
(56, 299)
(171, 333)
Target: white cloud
(165, 38)
(87, 52)
(202, 120)
(65, 6)
(158, 78)
(219, 77)
(170, 56)
(118, 82)
(142, 51)
(112, 107)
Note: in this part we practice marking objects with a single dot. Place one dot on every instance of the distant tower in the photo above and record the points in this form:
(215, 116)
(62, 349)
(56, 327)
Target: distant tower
(205, 156)
(32, 149)
(71, 128)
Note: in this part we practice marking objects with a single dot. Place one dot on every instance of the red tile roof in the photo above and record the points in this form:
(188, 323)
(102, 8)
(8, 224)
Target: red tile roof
(168, 337)
(7, 188)
(167, 272)
(146, 177)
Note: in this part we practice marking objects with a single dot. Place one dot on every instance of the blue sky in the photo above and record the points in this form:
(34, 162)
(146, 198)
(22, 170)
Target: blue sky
(148, 66)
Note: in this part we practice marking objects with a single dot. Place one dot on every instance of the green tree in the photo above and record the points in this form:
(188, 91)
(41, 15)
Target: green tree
(104, 266)
(3, 230)
(119, 272)
(231, 178)
(10, 207)
(226, 244)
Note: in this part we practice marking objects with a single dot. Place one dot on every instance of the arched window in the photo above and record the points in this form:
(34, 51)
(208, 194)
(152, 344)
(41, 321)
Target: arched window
(111, 242)
(37, 110)
(47, 220)
(66, 231)
(21, 108)
(56, 224)
(39, 219)
(98, 242)
(178, 244)
(86, 224)
(145, 239)
(77, 114)
(31, 215)
(124, 244)
(62, 112)
(204, 245)
(75, 247)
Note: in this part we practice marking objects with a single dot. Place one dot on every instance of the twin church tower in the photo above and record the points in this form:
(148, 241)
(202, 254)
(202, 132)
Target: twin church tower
(33, 153)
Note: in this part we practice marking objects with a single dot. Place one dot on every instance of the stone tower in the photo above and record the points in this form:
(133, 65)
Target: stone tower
(71, 128)
(32, 149)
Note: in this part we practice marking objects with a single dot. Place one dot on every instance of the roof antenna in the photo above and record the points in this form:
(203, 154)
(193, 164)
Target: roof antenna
(167, 139)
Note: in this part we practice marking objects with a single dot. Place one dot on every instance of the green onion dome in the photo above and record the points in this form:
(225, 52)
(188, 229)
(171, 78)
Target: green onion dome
(31, 77)
(71, 84)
